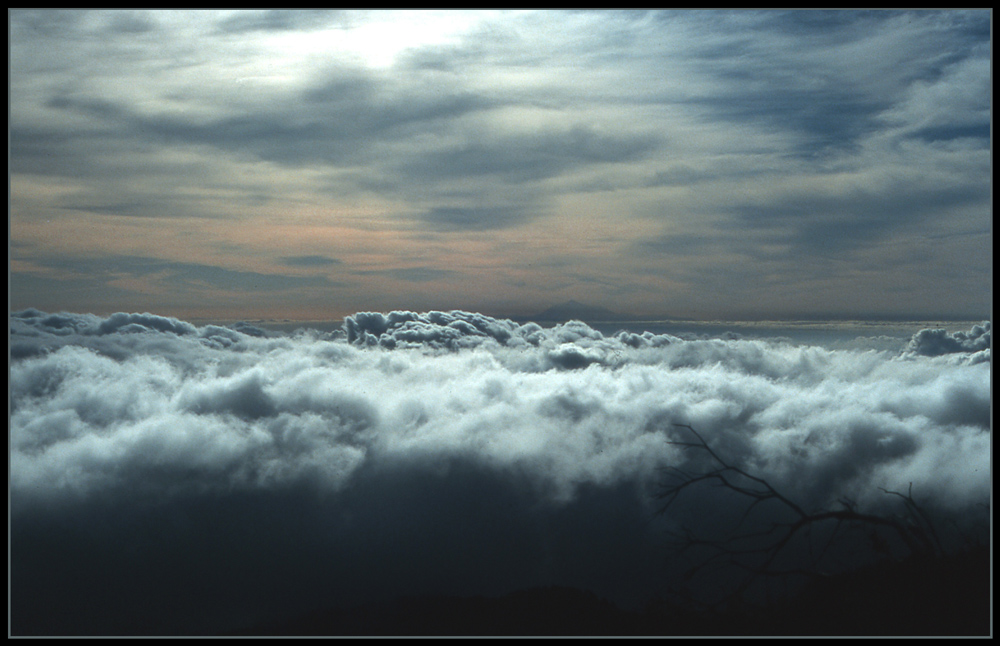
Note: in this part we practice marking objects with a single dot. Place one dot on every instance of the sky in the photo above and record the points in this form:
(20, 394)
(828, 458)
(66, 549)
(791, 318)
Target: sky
(171, 478)
(312, 164)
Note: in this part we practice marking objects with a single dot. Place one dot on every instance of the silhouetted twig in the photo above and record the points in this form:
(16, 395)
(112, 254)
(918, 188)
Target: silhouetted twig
(757, 552)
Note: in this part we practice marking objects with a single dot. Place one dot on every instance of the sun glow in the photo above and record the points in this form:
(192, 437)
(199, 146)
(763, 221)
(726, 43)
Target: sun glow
(379, 43)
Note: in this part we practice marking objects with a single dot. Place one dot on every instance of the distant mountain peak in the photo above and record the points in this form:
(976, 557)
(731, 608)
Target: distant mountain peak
(576, 310)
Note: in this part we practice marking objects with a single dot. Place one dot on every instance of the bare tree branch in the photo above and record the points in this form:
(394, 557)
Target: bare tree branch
(757, 552)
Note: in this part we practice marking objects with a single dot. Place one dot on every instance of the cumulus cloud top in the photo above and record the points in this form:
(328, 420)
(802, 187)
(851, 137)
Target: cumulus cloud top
(406, 411)
(934, 342)
(457, 329)
(99, 398)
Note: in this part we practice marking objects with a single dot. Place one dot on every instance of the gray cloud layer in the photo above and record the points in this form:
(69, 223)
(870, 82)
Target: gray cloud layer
(773, 140)
(423, 452)
(831, 85)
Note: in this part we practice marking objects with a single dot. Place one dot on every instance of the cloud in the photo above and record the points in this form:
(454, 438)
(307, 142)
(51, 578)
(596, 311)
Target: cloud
(411, 274)
(774, 135)
(414, 450)
(478, 218)
(857, 66)
(183, 275)
(427, 452)
(434, 329)
(935, 342)
(533, 157)
(122, 322)
(336, 120)
(281, 20)
(309, 261)
(855, 217)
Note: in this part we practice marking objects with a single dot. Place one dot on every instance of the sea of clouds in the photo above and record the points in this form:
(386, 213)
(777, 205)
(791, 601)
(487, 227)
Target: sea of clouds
(167, 477)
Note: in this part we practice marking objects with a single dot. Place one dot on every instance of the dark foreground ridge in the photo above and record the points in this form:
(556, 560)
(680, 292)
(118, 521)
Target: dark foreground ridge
(921, 596)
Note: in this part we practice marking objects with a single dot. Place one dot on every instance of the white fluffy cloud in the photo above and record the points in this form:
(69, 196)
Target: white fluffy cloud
(413, 436)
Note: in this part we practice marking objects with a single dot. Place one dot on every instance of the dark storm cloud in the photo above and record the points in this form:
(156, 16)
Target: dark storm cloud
(199, 479)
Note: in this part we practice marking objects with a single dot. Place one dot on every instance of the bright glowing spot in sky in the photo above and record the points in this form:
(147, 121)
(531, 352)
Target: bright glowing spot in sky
(378, 43)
